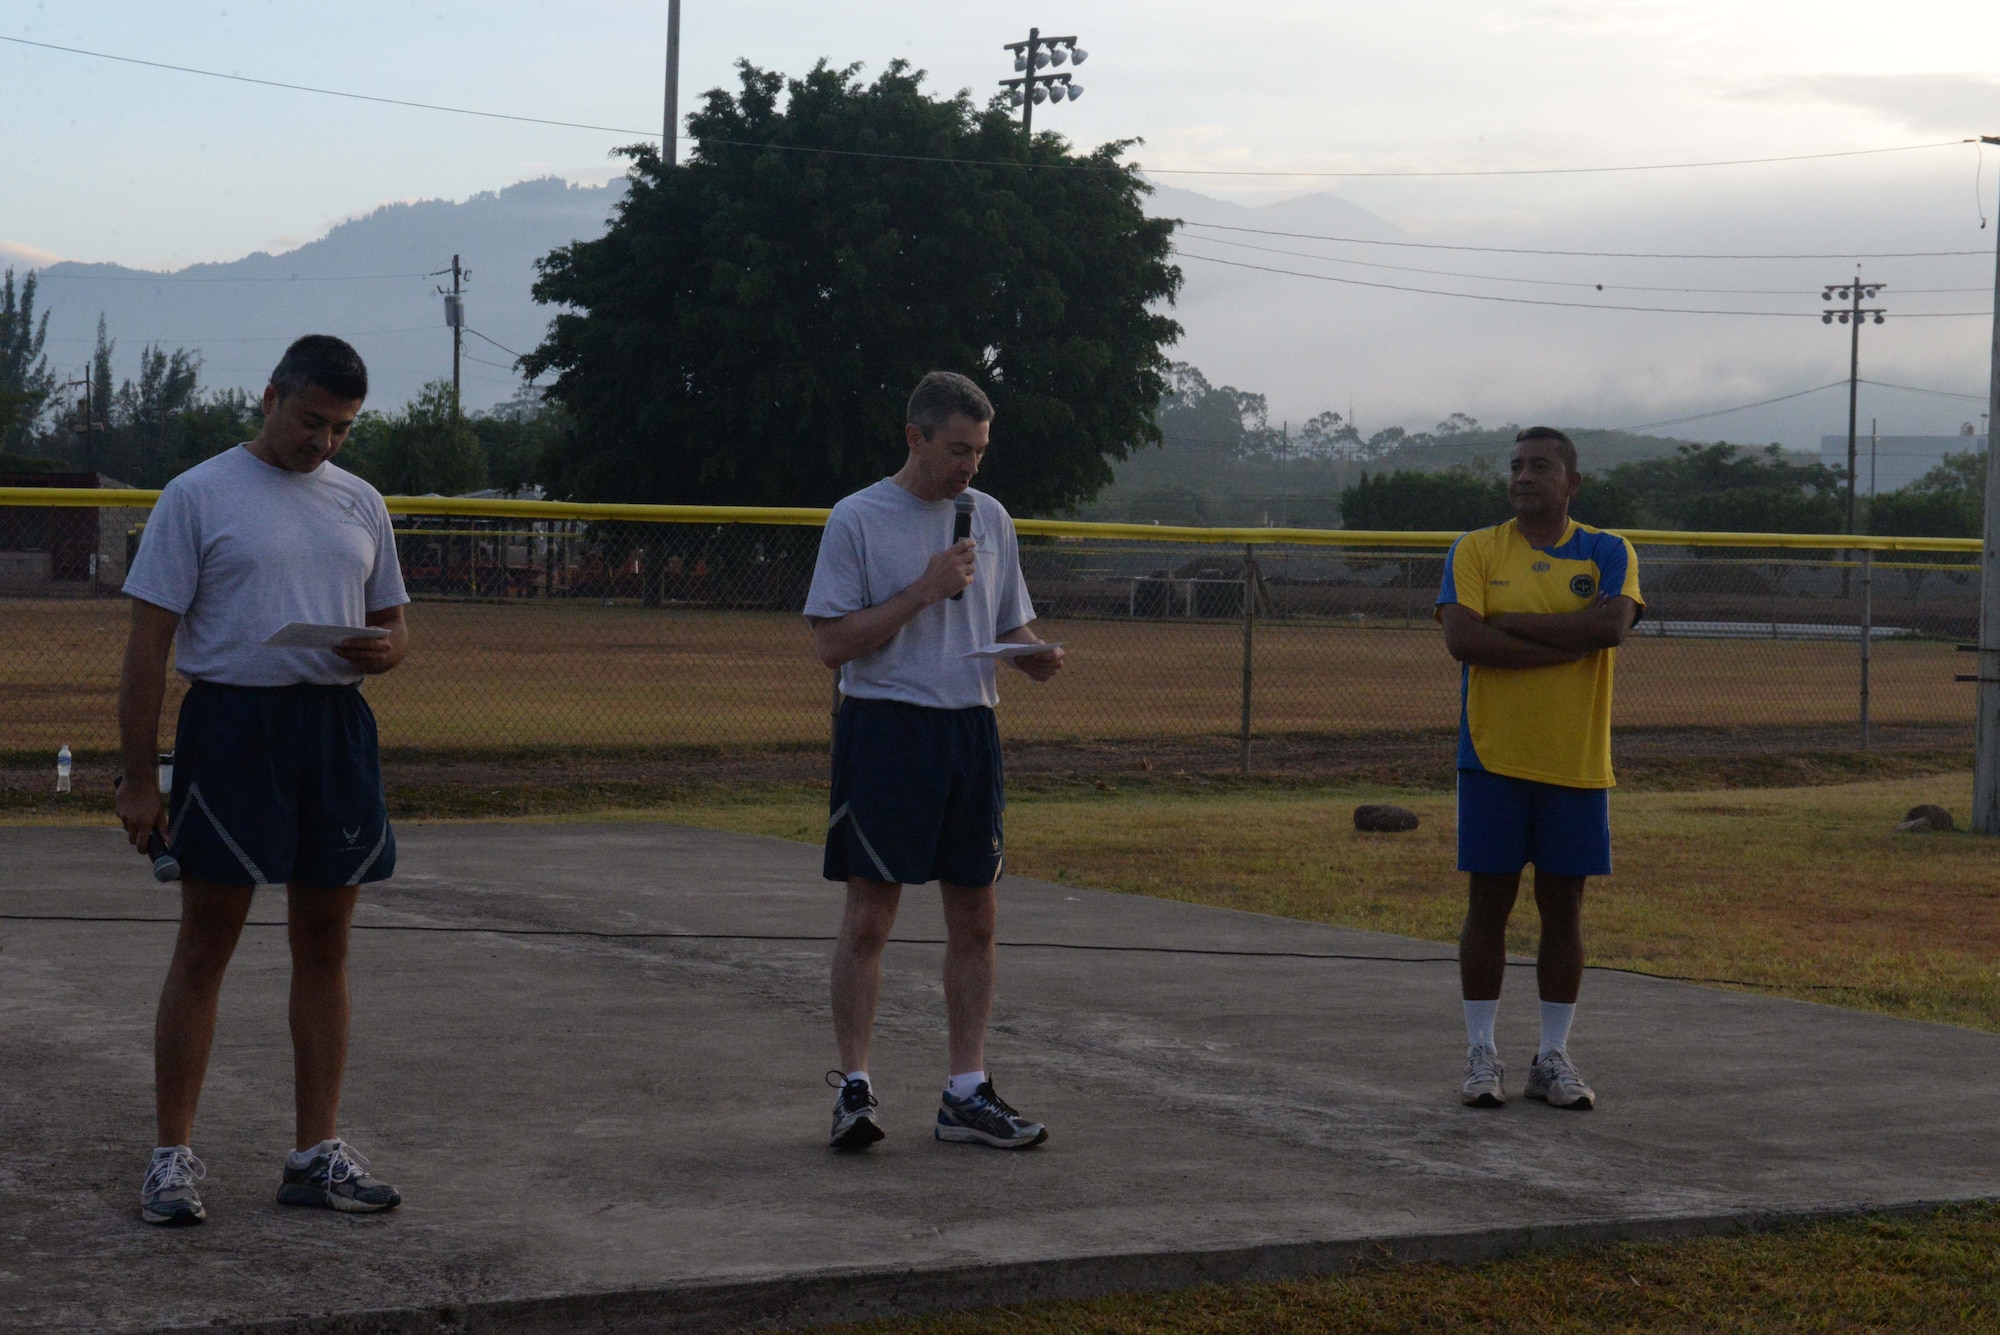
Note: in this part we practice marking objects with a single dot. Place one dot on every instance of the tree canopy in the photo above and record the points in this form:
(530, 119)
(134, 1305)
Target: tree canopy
(748, 329)
(1949, 501)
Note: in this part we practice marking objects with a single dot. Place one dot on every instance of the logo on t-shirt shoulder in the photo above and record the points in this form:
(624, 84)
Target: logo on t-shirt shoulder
(1583, 586)
(352, 512)
(1543, 567)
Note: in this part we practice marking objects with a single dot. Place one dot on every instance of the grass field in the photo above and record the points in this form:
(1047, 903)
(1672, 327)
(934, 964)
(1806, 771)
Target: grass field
(575, 673)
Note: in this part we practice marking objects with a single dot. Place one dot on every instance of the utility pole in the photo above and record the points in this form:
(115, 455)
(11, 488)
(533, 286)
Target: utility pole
(1986, 754)
(1031, 57)
(670, 135)
(88, 423)
(454, 316)
(1852, 316)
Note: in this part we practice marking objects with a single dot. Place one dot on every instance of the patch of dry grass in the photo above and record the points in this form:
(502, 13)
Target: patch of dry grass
(1939, 1274)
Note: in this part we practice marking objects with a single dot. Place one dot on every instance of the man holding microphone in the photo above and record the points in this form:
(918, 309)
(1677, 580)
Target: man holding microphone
(915, 573)
(277, 776)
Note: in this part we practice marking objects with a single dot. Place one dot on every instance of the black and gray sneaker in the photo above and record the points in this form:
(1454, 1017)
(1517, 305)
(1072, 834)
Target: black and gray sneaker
(169, 1197)
(854, 1124)
(986, 1119)
(336, 1179)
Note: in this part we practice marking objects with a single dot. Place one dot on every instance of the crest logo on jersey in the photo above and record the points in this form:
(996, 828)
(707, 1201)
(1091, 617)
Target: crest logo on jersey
(1583, 586)
(1543, 567)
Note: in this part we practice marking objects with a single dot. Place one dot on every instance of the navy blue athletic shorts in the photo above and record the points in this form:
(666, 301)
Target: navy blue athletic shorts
(917, 794)
(277, 785)
(1504, 823)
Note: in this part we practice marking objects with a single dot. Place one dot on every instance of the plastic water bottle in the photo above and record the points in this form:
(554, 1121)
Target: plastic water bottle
(62, 770)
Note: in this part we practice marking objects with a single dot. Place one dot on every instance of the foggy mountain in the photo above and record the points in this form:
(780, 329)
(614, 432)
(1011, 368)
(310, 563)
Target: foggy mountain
(368, 280)
(1401, 333)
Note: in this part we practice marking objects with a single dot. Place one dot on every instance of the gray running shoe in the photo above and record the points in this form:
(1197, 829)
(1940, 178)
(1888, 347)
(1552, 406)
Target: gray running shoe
(169, 1197)
(337, 1179)
(854, 1124)
(1485, 1077)
(986, 1119)
(1555, 1080)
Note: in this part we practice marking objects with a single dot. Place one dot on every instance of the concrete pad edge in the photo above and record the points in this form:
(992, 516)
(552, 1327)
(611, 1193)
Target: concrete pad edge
(804, 1301)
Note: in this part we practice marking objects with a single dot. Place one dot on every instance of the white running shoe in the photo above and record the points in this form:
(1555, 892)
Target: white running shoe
(168, 1196)
(1555, 1080)
(1485, 1076)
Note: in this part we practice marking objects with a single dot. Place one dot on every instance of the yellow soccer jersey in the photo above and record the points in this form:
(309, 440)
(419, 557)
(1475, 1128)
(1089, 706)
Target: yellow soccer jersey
(1549, 724)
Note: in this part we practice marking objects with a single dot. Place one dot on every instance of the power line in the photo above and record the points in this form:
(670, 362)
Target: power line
(1536, 301)
(495, 342)
(1587, 254)
(1540, 282)
(1719, 412)
(999, 162)
(45, 276)
(1918, 389)
(1480, 296)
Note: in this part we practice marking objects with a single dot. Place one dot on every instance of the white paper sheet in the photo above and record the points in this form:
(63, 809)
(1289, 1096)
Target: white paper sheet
(997, 651)
(306, 635)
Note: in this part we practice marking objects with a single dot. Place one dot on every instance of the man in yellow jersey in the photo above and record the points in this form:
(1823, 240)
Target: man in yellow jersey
(1535, 609)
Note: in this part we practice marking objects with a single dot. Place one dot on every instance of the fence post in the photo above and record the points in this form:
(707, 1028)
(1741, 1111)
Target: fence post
(1867, 633)
(1249, 620)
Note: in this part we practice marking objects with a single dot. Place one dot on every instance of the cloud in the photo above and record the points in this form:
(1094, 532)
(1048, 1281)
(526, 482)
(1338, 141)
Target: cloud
(1949, 103)
(15, 254)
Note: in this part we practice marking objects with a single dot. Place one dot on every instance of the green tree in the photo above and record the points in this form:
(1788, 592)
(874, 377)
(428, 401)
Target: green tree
(1724, 488)
(750, 325)
(1219, 421)
(26, 383)
(424, 448)
(1455, 499)
(518, 437)
(1949, 501)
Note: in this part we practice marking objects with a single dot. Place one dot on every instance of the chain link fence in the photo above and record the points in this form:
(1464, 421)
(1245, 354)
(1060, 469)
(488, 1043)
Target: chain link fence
(546, 627)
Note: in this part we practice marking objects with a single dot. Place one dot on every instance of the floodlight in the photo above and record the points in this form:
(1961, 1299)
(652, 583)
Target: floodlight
(1078, 54)
(1041, 60)
(1057, 92)
(1843, 317)
(1824, 296)
(1075, 91)
(1042, 95)
(1827, 318)
(1020, 60)
(1878, 317)
(1014, 98)
(1058, 57)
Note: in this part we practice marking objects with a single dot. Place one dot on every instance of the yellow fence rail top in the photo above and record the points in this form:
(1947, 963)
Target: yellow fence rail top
(808, 516)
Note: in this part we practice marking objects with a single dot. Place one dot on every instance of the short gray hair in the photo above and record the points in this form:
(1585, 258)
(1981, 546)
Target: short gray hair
(942, 395)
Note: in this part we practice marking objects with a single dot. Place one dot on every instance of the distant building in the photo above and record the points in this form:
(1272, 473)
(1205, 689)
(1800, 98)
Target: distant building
(1899, 460)
(64, 551)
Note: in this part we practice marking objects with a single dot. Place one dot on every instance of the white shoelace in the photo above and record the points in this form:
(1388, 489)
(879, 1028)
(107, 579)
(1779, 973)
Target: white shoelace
(1482, 1064)
(1559, 1066)
(344, 1162)
(180, 1168)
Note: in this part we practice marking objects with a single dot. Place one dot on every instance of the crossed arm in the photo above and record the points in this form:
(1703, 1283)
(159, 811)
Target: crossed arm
(1535, 639)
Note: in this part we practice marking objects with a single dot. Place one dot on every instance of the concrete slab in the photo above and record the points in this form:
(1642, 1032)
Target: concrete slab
(623, 1131)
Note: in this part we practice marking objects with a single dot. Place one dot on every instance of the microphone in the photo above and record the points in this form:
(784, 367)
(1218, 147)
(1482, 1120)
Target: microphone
(961, 528)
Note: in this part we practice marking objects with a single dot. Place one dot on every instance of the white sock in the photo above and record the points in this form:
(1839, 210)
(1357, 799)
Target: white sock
(862, 1076)
(963, 1087)
(162, 1151)
(300, 1158)
(1556, 1018)
(1479, 1017)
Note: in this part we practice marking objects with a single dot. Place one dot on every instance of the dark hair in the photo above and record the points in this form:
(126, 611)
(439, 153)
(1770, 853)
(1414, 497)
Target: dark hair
(942, 395)
(1565, 447)
(325, 361)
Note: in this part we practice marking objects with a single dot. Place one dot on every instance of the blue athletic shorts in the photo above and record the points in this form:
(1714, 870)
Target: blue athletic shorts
(279, 785)
(917, 794)
(1505, 823)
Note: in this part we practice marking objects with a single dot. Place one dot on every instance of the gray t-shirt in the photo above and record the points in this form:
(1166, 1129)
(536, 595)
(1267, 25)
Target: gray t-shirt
(876, 544)
(238, 548)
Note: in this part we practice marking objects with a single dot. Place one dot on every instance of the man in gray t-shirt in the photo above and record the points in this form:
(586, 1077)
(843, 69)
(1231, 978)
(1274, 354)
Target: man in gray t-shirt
(277, 773)
(898, 600)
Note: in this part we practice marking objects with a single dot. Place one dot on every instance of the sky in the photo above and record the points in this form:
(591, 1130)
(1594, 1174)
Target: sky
(145, 167)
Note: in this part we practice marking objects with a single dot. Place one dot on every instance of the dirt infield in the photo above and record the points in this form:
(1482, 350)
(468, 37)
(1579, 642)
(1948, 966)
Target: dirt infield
(497, 676)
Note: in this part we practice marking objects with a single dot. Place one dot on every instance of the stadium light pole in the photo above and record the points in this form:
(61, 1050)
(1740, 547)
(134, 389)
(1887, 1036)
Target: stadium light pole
(1986, 754)
(670, 135)
(1853, 316)
(1031, 57)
